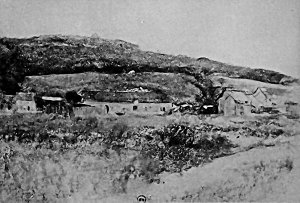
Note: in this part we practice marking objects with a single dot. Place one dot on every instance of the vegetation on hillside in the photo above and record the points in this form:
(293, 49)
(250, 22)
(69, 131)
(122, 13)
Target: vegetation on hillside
(73, 54)
(49, 158)
(169, 85)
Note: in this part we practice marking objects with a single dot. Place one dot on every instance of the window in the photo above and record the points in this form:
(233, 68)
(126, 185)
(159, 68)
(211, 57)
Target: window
(242, 110)
(107, 108)
(135, 108)
(28, 108)
(1, 106)
(9, 106)
(163, 108)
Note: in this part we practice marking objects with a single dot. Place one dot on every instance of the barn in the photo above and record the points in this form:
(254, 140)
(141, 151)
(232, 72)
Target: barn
(261, 100)
(120, 108)
(134, 101)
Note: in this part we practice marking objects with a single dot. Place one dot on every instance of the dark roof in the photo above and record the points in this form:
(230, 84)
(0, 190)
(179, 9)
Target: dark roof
(82, 105)
(291, 103)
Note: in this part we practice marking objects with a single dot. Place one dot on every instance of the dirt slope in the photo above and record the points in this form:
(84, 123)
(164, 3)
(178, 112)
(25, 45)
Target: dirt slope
(261, 174)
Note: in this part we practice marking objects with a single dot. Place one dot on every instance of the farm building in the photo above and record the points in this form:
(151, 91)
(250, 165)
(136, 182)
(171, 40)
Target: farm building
(56, 105)
(292, 108)
(113, 108)
(152, 107)
(85, 110)
(24, 103)
(134, 101)
(261, 100)
(260, 94)
(257, 101)
(235, 103)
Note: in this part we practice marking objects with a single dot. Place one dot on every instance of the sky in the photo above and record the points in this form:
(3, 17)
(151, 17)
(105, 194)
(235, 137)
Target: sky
(252, 33)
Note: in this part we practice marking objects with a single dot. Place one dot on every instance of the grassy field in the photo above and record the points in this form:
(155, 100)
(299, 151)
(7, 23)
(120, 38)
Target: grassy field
(48, 159)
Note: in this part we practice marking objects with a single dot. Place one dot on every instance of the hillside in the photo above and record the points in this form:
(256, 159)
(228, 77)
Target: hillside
(58, 54)
(176, 86)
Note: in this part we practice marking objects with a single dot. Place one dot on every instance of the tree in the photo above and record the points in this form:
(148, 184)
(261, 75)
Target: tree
(12, 65)
(73, 97)
(209, 94)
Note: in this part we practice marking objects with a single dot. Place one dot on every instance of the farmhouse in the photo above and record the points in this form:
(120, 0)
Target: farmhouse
(236, 103)
(24, 103)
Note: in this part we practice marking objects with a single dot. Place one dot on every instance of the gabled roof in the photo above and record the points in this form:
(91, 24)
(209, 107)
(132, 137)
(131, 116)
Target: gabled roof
(84, 104)
(255, 102)
(245, 97)
(291, 102)
(266, 102)
(239, 97)
(260, 90)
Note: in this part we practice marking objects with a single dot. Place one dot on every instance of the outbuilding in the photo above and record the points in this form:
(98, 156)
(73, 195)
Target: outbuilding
(24, 103)
(292, 108)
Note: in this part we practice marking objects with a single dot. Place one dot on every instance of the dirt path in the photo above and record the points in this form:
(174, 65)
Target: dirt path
(260, 174)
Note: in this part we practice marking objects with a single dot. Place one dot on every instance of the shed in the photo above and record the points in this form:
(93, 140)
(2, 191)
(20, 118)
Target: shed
(261, 100)
(292, 108)
(55, 105)
(24, 103)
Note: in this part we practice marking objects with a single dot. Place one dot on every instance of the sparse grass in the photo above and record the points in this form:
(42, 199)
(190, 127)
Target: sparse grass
(251, 182)
(48, 158)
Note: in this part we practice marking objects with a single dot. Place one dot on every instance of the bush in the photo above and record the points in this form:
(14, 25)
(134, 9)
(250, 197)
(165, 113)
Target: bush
(173, 148)
(40, 128)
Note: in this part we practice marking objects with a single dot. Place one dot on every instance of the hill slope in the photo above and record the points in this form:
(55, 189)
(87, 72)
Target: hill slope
(176, 86)
(58, 54)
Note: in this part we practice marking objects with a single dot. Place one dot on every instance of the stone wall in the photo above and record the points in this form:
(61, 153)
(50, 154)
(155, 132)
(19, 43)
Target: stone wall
(104, 108)
(88, 111)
